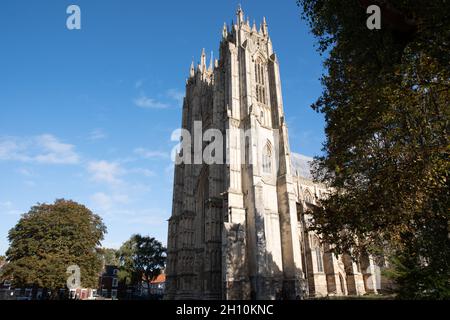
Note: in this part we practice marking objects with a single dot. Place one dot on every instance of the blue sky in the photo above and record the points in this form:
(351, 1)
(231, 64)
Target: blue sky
(88, 114)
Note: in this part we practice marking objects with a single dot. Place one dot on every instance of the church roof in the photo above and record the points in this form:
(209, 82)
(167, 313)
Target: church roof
(301, 165)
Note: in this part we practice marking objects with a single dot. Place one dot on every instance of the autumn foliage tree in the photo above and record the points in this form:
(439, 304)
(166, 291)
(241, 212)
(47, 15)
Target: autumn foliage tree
(385, 100)
(50, 238)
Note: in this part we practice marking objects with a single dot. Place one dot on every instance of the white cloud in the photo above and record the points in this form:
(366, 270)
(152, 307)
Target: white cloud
(8, 149)
(25, 172)
(97, 134)
(150, 103)
(112, 173)
(150, 154)
(105, 202)
(142, 171)
(44, 149)
(55, 151)
(176, 95)
(139, 216)
(104, 171)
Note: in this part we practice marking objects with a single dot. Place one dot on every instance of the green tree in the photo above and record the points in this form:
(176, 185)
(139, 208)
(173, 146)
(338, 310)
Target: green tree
(385, 101)
(142, 258)
(50, 238)
(2, 264)
(109, 256)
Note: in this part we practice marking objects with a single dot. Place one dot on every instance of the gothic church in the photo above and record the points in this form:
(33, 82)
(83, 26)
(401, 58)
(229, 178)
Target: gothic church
(238, 228)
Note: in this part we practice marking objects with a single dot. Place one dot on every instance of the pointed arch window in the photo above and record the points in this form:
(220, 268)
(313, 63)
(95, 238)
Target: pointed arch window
(261, 95)
(319, 259)
(318, 251)
(267, 158)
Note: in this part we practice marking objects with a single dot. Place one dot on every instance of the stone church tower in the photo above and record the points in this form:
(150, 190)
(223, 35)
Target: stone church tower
(235, 230)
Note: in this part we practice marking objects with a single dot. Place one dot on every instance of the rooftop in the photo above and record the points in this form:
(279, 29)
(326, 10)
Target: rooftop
(301, 165)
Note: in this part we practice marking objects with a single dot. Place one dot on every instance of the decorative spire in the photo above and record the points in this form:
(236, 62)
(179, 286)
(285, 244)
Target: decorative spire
(192, 71)
(269, 45)
(240, 15)
(254, 26)
(210, 68)
(264, 26)
(224, 30)
(203, 59)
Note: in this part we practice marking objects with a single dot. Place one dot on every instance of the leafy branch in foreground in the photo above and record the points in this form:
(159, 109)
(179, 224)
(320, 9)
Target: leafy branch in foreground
(386, 105)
